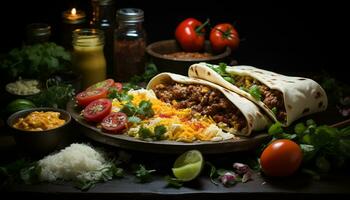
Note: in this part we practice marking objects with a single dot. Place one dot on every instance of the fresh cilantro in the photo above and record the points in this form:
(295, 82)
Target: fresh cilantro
(254, 90)
(274, 110)
(144, 175)
(121, 96)
(173, 182)
(229, 79)
(45, 57)
(54, 96)
(134, 119)
(159, 132)
(145, 133)
(150, 71)
(145, 109)
(324, 147)
(129, 109)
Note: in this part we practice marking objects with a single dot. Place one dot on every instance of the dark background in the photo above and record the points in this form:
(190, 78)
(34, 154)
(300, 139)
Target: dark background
(288, 37)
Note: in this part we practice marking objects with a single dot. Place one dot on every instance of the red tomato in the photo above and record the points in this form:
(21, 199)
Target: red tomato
(97, 110)
(116, 86)
(222, 36)
(190, 34)
(281, 158)
(115, 122)
(103, 84)
(87, 96)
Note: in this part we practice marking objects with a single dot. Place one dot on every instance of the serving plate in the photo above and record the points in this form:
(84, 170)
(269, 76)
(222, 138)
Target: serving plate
(164, 146)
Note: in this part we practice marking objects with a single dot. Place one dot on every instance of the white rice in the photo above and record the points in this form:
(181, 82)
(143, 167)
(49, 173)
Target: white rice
(76, 162)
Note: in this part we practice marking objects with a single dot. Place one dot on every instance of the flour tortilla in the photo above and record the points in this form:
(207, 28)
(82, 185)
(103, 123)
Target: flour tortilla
(255, 119)
(302, 96)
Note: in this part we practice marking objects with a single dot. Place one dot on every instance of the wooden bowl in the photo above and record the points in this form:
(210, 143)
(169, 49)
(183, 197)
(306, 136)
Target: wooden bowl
(158, 50)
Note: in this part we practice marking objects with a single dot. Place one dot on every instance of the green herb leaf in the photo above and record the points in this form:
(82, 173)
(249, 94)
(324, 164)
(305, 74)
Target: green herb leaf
(145, 109)
(299, 129)
(145, 133)
(229, 79)
(254, 90)
(213, 173)
(323, 164)
(134, 119)
(275, 129)
(129, 109)
(159, 132)
(143, 174)
(274, 110)
(173, 182)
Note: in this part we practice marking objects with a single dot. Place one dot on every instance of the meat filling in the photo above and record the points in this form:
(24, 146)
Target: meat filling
(204, 100)
(273, 99)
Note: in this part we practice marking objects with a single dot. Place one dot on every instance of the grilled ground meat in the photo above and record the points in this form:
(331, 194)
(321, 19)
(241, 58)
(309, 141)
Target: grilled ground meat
(204, 100)
(271, 98)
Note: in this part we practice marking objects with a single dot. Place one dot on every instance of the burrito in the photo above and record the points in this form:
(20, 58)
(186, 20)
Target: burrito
(284, 98)
(230, 111)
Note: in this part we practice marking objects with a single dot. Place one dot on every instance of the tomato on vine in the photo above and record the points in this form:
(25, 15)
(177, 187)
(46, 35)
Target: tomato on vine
(222, 36)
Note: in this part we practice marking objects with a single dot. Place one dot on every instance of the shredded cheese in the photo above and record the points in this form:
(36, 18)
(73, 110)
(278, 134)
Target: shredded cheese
(180, 123)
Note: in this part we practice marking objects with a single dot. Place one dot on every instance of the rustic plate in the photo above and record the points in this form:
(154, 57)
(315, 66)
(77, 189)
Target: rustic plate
(124, 141)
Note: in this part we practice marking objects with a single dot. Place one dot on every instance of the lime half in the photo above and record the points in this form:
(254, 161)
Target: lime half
(188, 165)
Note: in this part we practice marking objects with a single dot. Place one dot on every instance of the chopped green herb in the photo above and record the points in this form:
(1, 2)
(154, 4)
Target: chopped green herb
(254, 90)
(143, 174)
(173, 182)
(229, 79)
(274, 110)
(145, 133)
(159, 132)
(134, 119)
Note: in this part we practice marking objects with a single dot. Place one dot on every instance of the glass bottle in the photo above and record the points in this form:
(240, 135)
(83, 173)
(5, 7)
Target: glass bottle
(129, 44)
(88, 58)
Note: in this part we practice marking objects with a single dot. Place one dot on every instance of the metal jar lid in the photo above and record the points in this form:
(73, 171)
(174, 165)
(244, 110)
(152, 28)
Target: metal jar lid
(130, 15)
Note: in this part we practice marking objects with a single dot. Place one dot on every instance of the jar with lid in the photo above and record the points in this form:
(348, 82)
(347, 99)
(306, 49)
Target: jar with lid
(88, 58)
(129, 44)
(37, 33)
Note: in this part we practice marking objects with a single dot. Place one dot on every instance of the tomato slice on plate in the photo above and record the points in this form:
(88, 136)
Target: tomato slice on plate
(103, 84)
(117, 86)
(97, 110)
(115, 122)
(87, 96)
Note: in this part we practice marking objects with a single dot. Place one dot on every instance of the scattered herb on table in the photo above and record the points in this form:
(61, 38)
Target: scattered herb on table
(173, 182)
(144, 175)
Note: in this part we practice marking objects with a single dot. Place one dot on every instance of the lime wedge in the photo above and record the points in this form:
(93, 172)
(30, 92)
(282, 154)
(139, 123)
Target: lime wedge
(188, 165)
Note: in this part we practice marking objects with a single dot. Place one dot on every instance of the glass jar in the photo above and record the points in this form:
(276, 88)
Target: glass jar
(88, 58)
(38, 33)
(129, 44)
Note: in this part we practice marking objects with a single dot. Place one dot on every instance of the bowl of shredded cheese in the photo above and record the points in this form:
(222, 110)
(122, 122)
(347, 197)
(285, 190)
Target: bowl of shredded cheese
(39, 130)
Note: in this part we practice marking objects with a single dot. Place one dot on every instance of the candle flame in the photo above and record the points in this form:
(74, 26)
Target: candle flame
(74, 11)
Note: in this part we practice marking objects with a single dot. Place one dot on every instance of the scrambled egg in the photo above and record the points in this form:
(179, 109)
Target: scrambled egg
(39, 121)
(181, 125)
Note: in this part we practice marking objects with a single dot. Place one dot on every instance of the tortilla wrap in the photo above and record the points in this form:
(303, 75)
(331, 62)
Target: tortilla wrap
(301, 96)
(255, 119)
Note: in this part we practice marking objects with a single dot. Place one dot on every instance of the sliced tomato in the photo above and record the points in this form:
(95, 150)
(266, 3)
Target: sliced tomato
(115, 122)
(97, 110)
(87, 96)
(117, 86)
(103, 84)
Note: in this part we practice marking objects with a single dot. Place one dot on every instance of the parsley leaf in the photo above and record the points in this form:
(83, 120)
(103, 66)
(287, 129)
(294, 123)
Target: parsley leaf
(159, 132)
(254, 90)
(173, 182)
(143, 174)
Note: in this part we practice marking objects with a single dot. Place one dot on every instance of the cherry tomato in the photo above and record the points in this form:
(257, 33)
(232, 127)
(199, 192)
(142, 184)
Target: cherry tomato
(87, 96)
(103, 84)
(116, 86)
(97, 110)
(190, 34)
(281, 158)
(222, 36)
(115, 122)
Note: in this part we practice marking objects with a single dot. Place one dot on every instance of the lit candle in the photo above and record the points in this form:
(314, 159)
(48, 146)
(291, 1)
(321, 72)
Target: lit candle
(72, 19)
(74, 16)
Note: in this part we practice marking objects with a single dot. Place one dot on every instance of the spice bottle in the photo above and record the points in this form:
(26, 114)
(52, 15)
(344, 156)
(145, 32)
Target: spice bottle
(38, 33)
(129, 44)
(88, 58)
